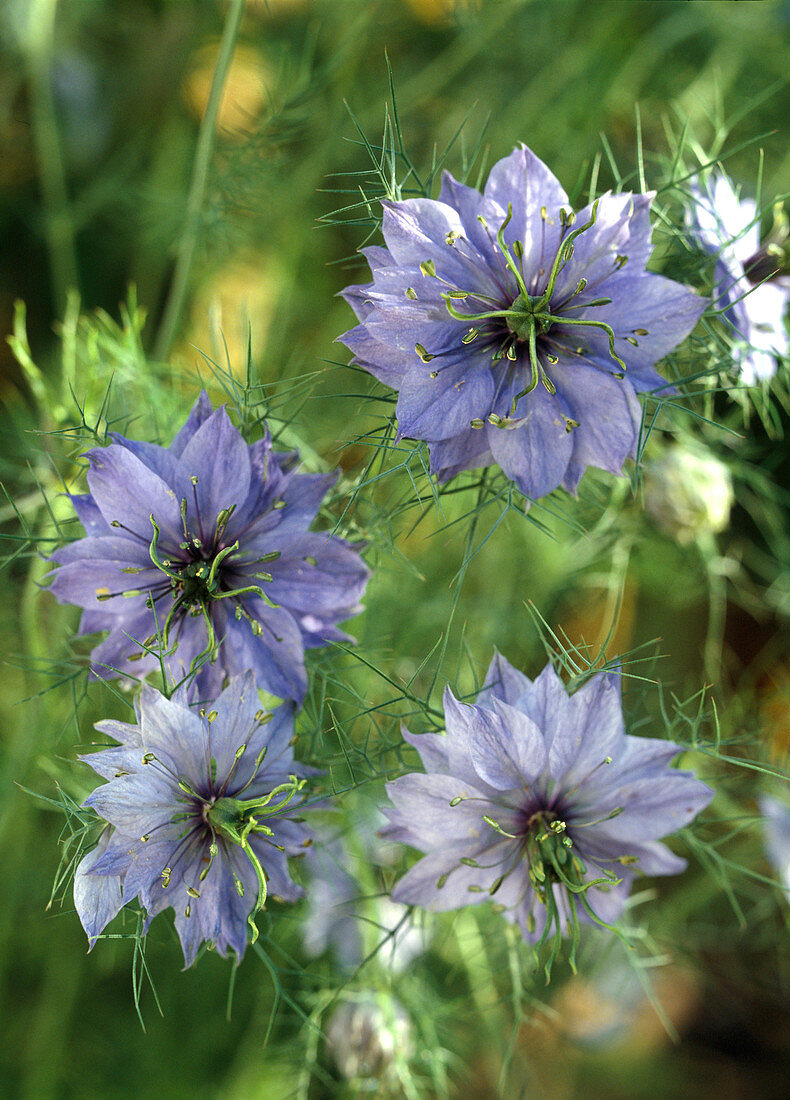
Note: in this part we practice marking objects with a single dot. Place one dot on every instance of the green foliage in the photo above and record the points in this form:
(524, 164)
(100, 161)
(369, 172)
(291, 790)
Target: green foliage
(103, 210)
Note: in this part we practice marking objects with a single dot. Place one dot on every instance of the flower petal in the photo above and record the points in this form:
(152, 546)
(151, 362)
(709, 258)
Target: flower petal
(536, 453)
(127, 492)
(97, 898)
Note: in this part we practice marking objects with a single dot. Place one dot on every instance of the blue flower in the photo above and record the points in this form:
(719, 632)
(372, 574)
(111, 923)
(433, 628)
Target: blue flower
(207, 539)
(517, 332)
(539, 802)
(197, 805)
(728, 228)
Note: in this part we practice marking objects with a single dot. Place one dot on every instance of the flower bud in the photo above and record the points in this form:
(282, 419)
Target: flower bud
(366, 1036)
(688, 493)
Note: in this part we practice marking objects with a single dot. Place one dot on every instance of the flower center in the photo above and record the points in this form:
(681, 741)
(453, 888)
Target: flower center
(198, 581)
(526, 315)
(196, 574)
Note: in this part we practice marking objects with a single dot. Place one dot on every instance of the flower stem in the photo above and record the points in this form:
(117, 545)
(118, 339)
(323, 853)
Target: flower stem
(197, 188)
(59, 224)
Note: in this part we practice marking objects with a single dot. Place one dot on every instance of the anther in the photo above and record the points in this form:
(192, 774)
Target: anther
(471, 335)
(428, 267)
(423, 354)
(411, 293)
(192, 892)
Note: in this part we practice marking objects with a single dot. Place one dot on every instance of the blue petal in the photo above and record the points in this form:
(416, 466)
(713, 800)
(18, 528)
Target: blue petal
(420, 885)
(127, 492)
(422, 807)
(416, 230)
(234, 725)
(574, 753)
(276, 656)
(199, 413)
(317, 574)
(608, 415)
(536, 453)
(175, 733)
(622, 228)
(523, 181)
(466, 451)
(137, 804)
(508, 752)
(504, 682)
(441, 407)
(432, 748)
(89, 515)
(219, 458)
(97, 898)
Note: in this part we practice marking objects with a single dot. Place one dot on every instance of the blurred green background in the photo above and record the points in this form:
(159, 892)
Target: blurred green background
(100, 108)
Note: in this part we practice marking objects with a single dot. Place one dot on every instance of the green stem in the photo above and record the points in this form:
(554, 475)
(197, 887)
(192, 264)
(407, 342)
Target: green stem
(39, 35)
(197, 189)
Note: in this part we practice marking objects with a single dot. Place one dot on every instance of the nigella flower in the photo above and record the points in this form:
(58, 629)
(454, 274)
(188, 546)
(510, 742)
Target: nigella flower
(517, 332)
(197, 805)
(207, 540)
(539, 802)
(744, 278)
